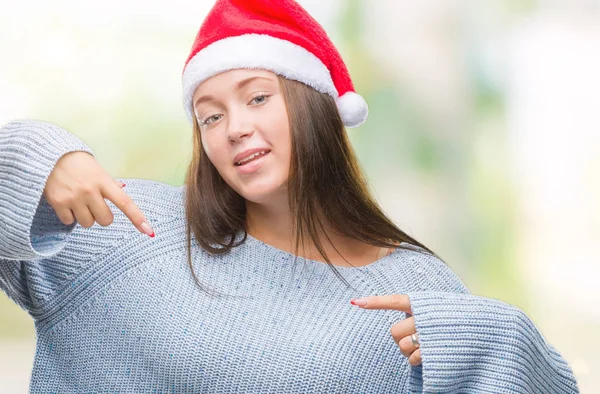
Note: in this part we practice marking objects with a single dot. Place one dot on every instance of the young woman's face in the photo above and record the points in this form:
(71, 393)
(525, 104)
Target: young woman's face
(242, 113)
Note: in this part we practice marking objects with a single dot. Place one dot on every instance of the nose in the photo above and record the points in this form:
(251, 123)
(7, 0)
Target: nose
(239, 126)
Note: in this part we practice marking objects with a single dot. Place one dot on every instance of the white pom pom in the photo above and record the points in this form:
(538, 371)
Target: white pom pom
(353, 109)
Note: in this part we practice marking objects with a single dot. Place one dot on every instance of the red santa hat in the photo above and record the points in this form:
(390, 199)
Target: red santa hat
(275, 35)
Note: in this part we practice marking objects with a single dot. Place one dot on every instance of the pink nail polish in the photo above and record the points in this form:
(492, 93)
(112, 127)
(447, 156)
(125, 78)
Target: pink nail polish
(359, 302)
(147, 229)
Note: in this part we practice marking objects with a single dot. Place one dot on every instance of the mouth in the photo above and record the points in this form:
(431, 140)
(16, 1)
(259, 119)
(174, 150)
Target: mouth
(251, 158)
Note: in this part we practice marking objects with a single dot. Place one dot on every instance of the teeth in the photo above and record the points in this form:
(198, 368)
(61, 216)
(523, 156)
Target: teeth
(252, 156)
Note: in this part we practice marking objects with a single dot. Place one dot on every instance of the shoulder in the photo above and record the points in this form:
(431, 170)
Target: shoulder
(80, 249)
(429, 271)
(157, 200)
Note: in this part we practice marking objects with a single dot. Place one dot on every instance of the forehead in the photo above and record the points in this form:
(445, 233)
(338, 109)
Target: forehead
(229, 79)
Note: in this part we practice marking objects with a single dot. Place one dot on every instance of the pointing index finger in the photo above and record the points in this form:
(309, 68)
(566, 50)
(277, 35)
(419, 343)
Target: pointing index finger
(399, 302)
(122, 201)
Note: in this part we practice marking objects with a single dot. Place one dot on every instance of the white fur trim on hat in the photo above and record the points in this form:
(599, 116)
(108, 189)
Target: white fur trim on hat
(266, 52)
(255, 51)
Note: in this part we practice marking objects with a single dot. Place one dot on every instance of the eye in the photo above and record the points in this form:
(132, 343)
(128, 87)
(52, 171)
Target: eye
(209, 120)
(261, 99)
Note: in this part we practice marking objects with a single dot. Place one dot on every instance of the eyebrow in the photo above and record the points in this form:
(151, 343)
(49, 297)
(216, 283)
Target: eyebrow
(238, 86)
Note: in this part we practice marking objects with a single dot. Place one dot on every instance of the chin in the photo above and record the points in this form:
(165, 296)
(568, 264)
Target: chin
(263, 193)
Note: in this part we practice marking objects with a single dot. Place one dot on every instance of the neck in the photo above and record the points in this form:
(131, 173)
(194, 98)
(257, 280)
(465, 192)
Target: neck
(269, 223)
(273, 225)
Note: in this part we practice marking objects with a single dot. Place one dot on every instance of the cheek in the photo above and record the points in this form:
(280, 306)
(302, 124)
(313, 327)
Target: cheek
(209, 148)
(285, 141)
(282, 132)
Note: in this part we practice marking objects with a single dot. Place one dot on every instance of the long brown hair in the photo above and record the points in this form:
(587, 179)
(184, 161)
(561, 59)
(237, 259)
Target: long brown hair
(325, 181)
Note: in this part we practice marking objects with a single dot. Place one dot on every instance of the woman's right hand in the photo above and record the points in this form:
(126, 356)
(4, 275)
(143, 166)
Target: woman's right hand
(77, 187)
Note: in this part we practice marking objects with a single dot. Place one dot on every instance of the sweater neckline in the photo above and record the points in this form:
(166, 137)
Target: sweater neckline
(315, 263)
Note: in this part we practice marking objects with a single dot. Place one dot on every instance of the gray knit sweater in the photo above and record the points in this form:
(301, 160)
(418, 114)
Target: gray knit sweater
(117, 311)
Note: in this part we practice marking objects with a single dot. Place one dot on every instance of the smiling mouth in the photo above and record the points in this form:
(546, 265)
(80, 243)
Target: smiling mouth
(253, 158)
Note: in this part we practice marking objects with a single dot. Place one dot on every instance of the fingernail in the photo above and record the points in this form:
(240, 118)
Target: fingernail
(123, 184)
(359, 302)
(147, 229)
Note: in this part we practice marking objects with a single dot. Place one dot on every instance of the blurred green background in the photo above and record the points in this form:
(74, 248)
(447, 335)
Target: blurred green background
(483, 139)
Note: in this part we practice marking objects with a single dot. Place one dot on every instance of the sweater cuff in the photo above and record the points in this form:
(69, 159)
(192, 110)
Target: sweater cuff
(470, 342)
(29, 150)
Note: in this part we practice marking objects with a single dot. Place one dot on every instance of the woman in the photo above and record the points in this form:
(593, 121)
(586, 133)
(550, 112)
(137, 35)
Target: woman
(245, 286)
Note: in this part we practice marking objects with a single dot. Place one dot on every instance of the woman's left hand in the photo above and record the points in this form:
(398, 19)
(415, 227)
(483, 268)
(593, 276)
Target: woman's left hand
(402, 331)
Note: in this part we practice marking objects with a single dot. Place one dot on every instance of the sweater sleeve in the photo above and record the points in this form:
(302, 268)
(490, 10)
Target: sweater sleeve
(40, 257)
(30, 231)
(471, 343)
(29, 227)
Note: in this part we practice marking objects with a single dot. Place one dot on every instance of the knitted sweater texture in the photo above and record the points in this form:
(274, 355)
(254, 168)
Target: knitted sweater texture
(116, 311)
